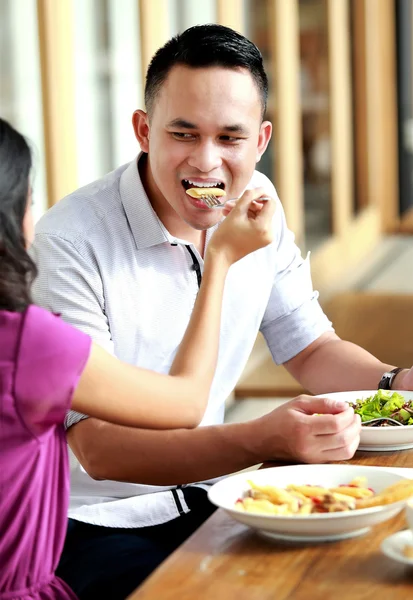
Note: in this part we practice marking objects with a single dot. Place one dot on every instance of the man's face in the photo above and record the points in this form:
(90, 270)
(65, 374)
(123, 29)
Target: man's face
(205, 129)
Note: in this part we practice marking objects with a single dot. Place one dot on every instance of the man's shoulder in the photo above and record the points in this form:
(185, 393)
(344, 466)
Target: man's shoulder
(82, 212)
(258, 179)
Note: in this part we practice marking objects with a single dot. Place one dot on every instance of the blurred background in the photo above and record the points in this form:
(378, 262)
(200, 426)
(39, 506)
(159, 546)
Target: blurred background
(341, 101)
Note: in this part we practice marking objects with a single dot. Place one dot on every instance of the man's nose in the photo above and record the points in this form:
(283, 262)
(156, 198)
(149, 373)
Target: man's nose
(205, 157)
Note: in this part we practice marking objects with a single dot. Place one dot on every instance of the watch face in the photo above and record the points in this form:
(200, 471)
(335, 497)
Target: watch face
(385, 381)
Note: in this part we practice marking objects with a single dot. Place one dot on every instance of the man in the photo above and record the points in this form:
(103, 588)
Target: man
(122, 260)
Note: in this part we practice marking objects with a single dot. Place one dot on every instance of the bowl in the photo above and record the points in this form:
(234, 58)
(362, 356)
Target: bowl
(314, 527)
(399, 546)
(379, 439)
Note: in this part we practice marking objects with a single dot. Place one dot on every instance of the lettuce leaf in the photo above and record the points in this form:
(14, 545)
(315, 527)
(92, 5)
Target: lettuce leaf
(384, 403)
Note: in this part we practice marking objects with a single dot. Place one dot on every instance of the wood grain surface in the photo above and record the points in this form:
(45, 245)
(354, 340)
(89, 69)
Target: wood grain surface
(225, 560)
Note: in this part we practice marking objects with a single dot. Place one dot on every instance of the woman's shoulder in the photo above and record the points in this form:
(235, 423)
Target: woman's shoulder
(46, 339)
(37, 313)
(29, 326)
(51, 358)
(44, 327)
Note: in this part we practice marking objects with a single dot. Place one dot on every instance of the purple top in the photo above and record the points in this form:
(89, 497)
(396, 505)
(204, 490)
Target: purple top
(41, 360)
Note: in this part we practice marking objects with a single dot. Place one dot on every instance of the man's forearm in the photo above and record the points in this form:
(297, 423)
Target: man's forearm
(337, 365)
(170, 457)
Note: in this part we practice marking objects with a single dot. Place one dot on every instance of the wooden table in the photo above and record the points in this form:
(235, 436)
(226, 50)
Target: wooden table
(225, 560)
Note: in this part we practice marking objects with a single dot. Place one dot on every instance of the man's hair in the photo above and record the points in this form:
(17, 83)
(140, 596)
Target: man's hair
(206, 46)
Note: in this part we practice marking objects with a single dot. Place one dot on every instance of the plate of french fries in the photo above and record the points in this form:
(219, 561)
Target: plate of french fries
(313, 502)
(381, 436)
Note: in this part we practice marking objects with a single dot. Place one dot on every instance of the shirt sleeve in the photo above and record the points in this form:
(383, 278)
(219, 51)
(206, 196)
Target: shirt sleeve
(293, 318)
(69, 284)
(50, 361)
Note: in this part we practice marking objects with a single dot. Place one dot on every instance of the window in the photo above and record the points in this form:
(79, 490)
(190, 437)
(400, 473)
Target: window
(108, 84)
(20, 90)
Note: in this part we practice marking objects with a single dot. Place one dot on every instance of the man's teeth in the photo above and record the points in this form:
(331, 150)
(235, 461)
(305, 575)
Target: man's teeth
(201, 185)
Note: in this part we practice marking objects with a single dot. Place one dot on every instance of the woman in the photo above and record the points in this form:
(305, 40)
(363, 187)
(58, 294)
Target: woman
(47, 367)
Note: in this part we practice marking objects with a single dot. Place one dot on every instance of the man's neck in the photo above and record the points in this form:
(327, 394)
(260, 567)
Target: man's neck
(169, 218)
(200, 246)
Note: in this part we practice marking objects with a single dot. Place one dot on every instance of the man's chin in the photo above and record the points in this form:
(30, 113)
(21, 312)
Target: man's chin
(206, 223)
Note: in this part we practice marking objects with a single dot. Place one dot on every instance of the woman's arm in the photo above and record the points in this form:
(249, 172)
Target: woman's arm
(114, 391)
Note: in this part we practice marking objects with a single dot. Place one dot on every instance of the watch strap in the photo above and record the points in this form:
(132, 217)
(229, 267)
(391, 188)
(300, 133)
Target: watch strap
(387, 379)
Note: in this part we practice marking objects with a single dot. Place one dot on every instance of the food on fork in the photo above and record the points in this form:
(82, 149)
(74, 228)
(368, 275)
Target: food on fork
(202, 192)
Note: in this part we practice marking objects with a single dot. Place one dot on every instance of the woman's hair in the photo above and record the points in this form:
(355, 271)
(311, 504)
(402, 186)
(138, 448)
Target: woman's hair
(17, 270)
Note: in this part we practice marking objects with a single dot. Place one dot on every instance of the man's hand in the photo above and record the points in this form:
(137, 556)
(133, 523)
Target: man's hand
(311, 430)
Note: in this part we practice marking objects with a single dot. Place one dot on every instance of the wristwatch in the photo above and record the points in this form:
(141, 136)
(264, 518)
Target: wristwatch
(386, 381)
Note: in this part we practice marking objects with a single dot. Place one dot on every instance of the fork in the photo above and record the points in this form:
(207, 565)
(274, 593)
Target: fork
(213, 202)
(392, 421)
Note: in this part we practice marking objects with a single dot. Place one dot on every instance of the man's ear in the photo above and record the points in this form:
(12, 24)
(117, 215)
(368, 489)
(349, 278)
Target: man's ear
(263, 138)
(140, 122)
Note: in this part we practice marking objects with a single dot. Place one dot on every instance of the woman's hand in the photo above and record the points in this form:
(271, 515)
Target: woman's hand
(247, 227)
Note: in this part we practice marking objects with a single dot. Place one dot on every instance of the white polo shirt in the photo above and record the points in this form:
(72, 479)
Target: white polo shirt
(109, 266)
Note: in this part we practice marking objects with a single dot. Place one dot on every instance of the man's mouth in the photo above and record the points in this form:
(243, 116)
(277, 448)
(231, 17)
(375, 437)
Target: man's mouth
(190, 183)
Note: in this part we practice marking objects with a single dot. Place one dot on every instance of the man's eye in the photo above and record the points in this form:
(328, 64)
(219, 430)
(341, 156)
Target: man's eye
(229, 138)
(182, 136)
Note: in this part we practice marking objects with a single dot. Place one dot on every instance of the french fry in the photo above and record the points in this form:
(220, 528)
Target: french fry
(349, 500)
(274, 494)
(355, 492)
(402, 490)
(305, 509)
(404, 483)
(307, 499)
(300, 496)
(264, 506)
(310, 491)
(359, 481)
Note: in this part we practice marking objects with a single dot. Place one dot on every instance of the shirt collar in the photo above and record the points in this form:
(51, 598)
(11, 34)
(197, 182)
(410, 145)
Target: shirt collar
(147, 229)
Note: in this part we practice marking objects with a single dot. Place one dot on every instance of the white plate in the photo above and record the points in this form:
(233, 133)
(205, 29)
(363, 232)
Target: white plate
(379, 439)
(308, 539)
(314, 527)
(393, 546)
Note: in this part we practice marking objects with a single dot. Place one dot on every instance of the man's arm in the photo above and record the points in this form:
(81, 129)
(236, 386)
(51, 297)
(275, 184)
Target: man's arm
(300, 336)
(331, 364)
(132, 455)
(296, 430)
(69, 283)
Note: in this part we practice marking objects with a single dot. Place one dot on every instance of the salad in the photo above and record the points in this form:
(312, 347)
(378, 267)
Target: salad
(385, 404)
